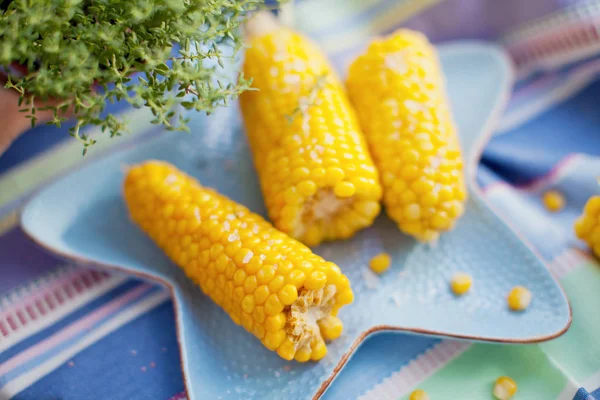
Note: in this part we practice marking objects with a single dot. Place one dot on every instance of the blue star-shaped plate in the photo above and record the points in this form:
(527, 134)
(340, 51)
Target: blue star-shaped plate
(83, 217)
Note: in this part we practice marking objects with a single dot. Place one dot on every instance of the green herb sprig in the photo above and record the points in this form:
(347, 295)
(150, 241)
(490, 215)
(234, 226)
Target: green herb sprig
(310, 100)
(84, 53)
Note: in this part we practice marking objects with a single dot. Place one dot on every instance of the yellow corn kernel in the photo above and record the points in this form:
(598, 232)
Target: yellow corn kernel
(238, 292)
(261, 294)
(276, 283)
(333, 272)
(554, 200)
(312, 160)
(319, 350)
(273, 340)
(288, 294)
(247, 322)
(380, 263)
(345, 297)
(258, 331)
(303, 354)
(519, 298)
(250, 284)
(334, 175)
(296, 278)
(461, 283)
(273, 305)
(331, 327)
(398, 91)
(265, 274)
(587, 226)
(239, 277)
(248, 303)
(287, 349)
(504, 388)
(418, 394)
(344, 189)
(266, 281)
(259, 314)
(276, 322)
(316, 280)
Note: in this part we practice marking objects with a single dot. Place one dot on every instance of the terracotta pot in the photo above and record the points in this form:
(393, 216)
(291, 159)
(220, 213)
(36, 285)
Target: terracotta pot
(13, 122)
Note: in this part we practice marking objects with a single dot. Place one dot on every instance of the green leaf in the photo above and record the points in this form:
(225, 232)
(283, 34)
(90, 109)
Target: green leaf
(162, 68)
(188, 104)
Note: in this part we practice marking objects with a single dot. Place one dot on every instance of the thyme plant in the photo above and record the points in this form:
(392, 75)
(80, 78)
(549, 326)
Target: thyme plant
(84, 53)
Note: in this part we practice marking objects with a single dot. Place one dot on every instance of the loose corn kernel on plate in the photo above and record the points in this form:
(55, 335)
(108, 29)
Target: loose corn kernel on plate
(84, 217)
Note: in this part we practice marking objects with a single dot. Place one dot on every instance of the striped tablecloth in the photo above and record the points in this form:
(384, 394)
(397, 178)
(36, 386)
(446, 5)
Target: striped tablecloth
(72, 333)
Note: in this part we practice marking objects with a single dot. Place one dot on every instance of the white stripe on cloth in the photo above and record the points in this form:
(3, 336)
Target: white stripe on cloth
(568, 261)
(555, 40)
(403, 381)
(592, 383)
(389, 17)
(69, 305)
(118, 320)
(574, 83)
(571, 388)
(569, 391)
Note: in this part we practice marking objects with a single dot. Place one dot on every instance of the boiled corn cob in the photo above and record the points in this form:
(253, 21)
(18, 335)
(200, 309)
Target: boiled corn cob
(398, 92)
(587, 226)
(272, 285)
(317, 177)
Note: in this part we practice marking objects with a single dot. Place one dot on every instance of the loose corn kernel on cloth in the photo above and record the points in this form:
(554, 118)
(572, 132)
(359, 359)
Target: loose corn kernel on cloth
(71, 333)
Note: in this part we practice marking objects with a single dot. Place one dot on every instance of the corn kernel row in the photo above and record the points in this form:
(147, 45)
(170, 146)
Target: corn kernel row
(272, 285)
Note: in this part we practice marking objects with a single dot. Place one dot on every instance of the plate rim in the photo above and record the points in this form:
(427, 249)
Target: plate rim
(474, 156)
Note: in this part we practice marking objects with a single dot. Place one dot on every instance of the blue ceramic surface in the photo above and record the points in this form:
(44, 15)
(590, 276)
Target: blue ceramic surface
(82, 216)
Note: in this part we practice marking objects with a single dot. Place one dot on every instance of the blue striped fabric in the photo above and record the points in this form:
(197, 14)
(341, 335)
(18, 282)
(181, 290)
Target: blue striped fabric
(64, 322)
(140, 361)
(583, 394)
(132, 351)
(517, 157)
